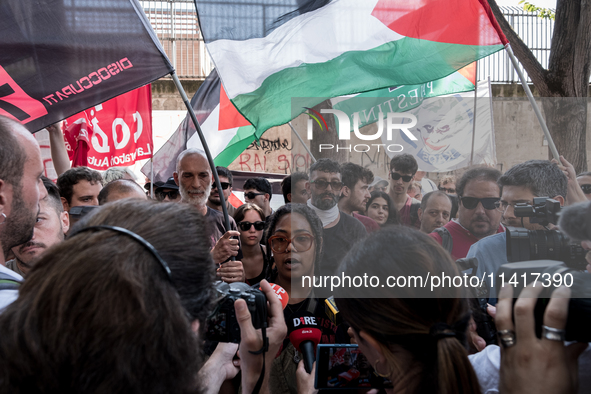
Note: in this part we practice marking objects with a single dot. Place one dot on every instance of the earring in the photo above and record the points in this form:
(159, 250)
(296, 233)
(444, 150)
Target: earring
(378, 372)
(4, 215)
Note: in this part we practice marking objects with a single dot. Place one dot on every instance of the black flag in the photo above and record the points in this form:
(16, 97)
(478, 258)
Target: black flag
(58, 57)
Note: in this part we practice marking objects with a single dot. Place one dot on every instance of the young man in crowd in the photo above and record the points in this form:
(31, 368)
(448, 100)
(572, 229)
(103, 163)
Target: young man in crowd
(50, 229)
(120, 189)
(194, 178)
(293, 188)
(478, 218)
(435, 211)
(226, 180)
(21, 188)
(341, 231)
(355, 194)
(520, 184)
(258, 191)
(402, 171)
(79, 186)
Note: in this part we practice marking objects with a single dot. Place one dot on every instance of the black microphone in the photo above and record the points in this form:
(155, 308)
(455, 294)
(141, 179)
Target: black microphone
(304, 334)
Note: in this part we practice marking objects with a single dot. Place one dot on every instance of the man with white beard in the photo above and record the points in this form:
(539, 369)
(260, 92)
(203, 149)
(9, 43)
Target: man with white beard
(194, 177)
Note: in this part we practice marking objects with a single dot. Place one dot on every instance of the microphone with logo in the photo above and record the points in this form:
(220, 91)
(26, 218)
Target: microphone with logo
(304, 334)
(280, 293)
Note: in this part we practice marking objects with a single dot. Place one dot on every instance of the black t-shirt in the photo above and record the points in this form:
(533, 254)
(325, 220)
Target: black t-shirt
(338, 240)
(217, 228)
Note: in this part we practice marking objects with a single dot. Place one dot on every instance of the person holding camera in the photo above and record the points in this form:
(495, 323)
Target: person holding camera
(520, 184)
(119, 307)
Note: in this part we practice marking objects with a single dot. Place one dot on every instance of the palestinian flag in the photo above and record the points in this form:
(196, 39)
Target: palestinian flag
(226, 131)
(267, 53)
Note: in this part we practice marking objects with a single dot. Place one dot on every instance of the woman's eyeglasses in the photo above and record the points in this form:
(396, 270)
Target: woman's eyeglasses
(245, 226)
(299, 243)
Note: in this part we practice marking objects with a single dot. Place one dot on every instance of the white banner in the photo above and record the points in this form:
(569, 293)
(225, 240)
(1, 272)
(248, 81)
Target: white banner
(445, 129)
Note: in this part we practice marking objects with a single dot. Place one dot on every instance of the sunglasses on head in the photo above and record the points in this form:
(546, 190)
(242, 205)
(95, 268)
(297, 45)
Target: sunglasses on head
(173, 194)
(245, 226)
(396, 176)
(252, 195)
(224, 185)
(586, 189)
(321, 184)
(487, 202)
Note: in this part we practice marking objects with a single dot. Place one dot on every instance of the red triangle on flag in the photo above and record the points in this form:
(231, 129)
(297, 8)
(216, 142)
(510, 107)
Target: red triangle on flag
(464, 22)
(229, 115)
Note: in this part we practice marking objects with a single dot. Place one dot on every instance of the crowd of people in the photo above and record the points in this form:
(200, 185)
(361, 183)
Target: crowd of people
(104, 289)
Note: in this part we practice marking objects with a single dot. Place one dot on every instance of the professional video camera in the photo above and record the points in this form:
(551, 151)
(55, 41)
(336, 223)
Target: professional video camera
(524, 245)
(222, 325)
(551, 275)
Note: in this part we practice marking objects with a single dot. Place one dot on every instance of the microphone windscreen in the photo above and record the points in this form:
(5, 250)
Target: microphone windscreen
(302, 327)
(281, 294)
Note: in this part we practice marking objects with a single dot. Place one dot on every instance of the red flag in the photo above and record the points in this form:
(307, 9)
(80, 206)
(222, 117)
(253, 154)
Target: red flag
(115, 133)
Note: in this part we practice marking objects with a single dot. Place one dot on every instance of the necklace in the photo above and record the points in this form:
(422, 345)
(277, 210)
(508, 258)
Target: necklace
(300, 306)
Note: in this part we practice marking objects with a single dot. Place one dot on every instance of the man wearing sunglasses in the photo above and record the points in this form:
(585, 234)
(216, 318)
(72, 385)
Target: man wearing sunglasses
(478, 216)
(584, 180)
(258, 191)
(168, 191)
(214, 201)
(340, 231)
(520, 184)
(402, 171)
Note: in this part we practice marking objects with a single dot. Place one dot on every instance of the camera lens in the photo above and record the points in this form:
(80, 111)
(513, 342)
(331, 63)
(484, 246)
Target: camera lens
(523, 245)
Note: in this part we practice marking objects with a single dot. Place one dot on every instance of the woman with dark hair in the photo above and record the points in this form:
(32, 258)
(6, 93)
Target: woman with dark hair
(251, 223)
(417, 340)
(117, 307)
(380, 208)
(294, 235)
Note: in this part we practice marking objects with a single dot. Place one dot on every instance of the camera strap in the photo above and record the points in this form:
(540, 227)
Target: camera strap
(262, 351)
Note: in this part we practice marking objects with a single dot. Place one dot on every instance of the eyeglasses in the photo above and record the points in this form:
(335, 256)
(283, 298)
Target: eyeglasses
(300, 243)
(487, 202)
(446, 190)
(586, 189)
(224, 185)
(396, 176)
(173, 194)
(245, 226)
(322, 184)
(252, 195)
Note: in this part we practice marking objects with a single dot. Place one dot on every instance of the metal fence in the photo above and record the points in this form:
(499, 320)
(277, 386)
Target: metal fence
(535, 32)
(175, 23)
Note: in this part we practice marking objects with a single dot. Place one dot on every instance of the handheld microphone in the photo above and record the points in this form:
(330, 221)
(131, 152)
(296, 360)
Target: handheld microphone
(280, 293)
(304, 334)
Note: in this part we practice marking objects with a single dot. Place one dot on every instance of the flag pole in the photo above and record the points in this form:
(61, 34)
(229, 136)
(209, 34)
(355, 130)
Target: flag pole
(152, 175)
(530, 96)
(179, 87)
(474, 113)
(302, 141)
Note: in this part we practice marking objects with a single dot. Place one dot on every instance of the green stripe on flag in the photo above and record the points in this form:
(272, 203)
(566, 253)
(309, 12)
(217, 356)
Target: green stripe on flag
(409, 60)
(243, 138)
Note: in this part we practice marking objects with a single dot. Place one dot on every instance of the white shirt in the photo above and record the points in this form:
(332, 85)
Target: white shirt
(7, 297)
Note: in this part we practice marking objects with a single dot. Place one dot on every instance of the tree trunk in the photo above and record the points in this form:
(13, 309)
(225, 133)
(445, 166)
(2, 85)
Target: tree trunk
(566, 118)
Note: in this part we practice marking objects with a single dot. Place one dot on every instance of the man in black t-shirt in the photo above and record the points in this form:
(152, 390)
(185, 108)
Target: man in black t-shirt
(341, 231)
(194, 177)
